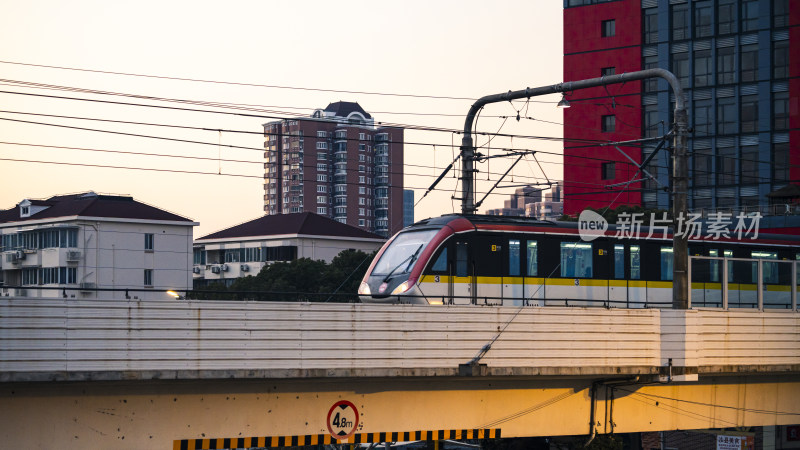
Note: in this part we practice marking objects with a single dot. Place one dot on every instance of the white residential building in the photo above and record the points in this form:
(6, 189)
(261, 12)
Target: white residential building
(246, 248)
(74, 245)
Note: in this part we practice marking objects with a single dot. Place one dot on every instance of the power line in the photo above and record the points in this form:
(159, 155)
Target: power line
(196, 128)
(130, 168)
(163, 155)
(229, 105)
(750, 410)
(754, 179)
(233, 83)
(200, 173)
(235, 131)
(535, 178)
(132, 134)
(759, 179)
(301, 117)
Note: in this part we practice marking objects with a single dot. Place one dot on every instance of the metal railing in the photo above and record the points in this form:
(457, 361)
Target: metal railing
(723, 282)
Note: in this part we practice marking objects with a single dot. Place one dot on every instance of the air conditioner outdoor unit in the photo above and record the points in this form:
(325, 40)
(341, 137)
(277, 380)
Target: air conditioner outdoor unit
(225, 268)
(73, 255)
(87, 286)
(20, 255)
(245, 268)
(214, 269)
(195, 270)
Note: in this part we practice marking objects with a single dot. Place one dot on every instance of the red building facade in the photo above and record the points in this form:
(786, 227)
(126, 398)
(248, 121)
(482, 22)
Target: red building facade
(738, 62)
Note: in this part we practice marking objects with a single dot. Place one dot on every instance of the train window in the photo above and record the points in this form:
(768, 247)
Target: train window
(619, 261)
(461, 259)
(576, 260)
(533, 257)
(729, 254)
(636, 266)
(441, 262)
(713, 268)
(769, 270)
(402, 253)
(666, 263)
(513, 257)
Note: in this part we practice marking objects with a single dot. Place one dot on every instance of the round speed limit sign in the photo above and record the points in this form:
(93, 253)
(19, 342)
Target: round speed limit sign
(342, 419)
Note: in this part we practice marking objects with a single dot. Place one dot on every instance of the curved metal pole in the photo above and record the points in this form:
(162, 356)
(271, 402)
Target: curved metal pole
(680, 174)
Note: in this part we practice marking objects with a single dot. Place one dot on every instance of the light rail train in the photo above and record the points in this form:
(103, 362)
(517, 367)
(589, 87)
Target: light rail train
(492, 260)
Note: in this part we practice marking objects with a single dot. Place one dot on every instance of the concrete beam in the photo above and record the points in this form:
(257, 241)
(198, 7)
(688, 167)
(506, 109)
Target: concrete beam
(163, 414)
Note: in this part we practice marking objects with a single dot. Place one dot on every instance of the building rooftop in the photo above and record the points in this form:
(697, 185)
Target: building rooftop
(306, 223)
(344, 109)
(87, 204)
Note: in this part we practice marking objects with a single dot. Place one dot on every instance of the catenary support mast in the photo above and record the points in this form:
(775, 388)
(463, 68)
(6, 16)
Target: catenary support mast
(680, 175)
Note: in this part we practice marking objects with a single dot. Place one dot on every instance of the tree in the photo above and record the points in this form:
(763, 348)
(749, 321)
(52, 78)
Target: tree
(302, 279)
(345, 273)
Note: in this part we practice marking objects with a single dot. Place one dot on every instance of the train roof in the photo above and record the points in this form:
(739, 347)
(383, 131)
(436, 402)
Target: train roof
(509, 223)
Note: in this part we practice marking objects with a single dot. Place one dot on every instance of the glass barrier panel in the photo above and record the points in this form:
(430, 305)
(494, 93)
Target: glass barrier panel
(742, 286)
(777, 288)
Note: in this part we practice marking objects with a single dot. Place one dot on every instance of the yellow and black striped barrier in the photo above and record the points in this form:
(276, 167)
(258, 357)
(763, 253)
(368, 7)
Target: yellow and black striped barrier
(323, 439)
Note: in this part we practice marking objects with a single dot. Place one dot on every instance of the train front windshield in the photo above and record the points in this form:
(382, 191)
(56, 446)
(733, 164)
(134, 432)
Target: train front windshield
(403, 253)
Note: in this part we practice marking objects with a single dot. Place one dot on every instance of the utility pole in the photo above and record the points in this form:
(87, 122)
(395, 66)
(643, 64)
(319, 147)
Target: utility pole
(680, 184)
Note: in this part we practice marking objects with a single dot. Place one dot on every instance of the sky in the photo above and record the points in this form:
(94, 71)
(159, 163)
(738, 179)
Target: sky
(269, 60)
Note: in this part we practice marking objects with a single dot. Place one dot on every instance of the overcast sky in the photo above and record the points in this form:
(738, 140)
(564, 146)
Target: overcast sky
(463, 49)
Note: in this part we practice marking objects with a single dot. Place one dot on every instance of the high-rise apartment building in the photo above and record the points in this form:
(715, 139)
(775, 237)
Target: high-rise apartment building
(408, 207)
(337, 164)
(738, 62)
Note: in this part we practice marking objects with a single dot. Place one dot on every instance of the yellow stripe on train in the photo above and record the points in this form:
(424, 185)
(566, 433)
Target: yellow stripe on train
(529, 281)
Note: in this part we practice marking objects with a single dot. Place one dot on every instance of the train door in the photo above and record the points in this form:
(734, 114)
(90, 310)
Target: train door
(513, 288)
(603, 270)
(435, 284)
(637, 284)
(533, 282)
(490, 256)
(618, 280)
(462, 283)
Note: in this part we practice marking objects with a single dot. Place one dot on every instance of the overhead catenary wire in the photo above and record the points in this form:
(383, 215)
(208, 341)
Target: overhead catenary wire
(235, 105)
(261, 133)
(602, 159)
(218, 144)
(188, 172)
(229, 105)
(235, 83)
(299, 117)
(215, 159)
(590, 146)
(244, 131)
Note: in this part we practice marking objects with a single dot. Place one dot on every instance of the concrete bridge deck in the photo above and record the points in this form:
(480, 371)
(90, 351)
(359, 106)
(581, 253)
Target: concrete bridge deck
(53, 339)
(214, 374)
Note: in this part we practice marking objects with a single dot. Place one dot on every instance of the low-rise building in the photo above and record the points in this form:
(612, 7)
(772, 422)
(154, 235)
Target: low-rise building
(74, 245)
(246, 248)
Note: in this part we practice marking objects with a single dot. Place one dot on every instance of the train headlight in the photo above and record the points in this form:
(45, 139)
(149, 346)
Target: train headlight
(401, 288)
(363, 289)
